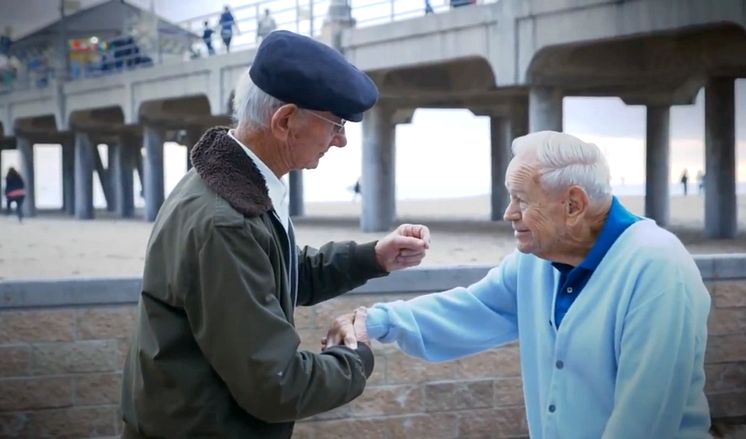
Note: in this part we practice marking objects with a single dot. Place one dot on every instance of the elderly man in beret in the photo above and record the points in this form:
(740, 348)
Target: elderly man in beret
(609, 309)
(215, 352)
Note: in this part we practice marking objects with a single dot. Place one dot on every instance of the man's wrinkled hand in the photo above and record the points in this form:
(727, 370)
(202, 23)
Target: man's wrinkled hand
(404, 247)
(348, 329)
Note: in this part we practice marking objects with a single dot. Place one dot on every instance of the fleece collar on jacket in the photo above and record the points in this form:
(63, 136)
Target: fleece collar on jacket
(228, 171)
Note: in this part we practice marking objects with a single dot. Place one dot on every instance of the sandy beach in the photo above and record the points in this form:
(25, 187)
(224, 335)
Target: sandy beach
(52, 245)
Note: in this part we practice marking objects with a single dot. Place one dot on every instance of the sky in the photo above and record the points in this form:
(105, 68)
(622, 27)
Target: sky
(454, 143)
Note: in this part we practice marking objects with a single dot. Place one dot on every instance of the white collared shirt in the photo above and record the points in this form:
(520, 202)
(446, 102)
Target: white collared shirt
(278, 192)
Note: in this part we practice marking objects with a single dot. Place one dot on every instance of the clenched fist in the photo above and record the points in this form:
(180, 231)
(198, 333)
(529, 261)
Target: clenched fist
(404, 247)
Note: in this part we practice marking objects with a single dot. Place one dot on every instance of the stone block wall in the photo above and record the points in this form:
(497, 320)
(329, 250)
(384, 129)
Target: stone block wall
(60, 373)
(61, 370)
(409, 398)
(725, 360)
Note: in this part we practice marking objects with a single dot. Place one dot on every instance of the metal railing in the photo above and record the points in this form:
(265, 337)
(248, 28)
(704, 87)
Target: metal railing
(306, 17)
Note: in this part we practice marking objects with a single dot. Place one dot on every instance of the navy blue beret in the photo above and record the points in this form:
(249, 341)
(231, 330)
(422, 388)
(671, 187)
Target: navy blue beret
(302, 71)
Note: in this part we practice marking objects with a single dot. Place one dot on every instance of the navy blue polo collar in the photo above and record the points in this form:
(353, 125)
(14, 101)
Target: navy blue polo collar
(617, 221)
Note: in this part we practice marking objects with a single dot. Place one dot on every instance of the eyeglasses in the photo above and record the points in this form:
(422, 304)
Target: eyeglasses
(339, 127)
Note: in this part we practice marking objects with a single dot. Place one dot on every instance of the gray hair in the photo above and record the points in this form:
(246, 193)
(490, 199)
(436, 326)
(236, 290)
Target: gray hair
(565, 160)
(251, 104)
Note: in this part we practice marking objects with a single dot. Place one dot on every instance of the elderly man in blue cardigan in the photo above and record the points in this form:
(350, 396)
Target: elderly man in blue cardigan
(609, 308)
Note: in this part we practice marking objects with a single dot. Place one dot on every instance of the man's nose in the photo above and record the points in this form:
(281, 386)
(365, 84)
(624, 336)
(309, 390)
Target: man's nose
(511, 214)
(339, 140)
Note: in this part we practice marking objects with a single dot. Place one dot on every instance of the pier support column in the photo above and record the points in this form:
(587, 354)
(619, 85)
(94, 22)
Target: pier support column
(505, 125)
(153, 167)
(68, 176)
(103, 175)
(545, 109)
(378, 183)
(26, 152)
(122, 170)
(500, 141)
(720, 159)
(139, 169)
(192, 137)
(657, 167)
(83, 176)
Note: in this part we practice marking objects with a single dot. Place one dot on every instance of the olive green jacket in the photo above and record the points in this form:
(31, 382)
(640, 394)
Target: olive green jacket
(215, 352)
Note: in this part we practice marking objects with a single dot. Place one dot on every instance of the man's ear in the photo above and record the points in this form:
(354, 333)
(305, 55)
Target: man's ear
(282, 120)
(577, 203)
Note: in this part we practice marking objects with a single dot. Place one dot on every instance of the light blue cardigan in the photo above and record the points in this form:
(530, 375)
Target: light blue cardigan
(627, 361)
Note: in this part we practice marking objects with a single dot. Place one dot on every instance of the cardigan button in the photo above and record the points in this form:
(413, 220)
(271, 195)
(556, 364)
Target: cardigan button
(552, 408)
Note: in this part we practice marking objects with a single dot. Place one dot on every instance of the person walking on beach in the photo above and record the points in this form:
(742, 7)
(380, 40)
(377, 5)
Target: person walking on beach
(356, 190)
(701, 182)
(15, 192)
(216, 352)
(684, 181)
(609, 309)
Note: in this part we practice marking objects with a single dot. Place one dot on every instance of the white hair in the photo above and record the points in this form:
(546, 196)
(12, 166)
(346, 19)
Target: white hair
(251, 104)
(565, 160)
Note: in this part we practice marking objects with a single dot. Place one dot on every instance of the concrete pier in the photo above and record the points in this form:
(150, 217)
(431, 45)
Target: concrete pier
(122, 171)
(26, 152)
(720, 159)
(83, 176)
(481, 57)
(103, 175)
(545, 109)
(153, 167)
(657, 164)
(68, 176)
(378, 183)
(192, 137)
(500, 136)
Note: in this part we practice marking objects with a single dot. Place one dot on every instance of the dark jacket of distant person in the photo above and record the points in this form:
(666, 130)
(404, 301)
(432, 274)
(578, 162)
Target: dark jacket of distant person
(216, 264)
(14, 187)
